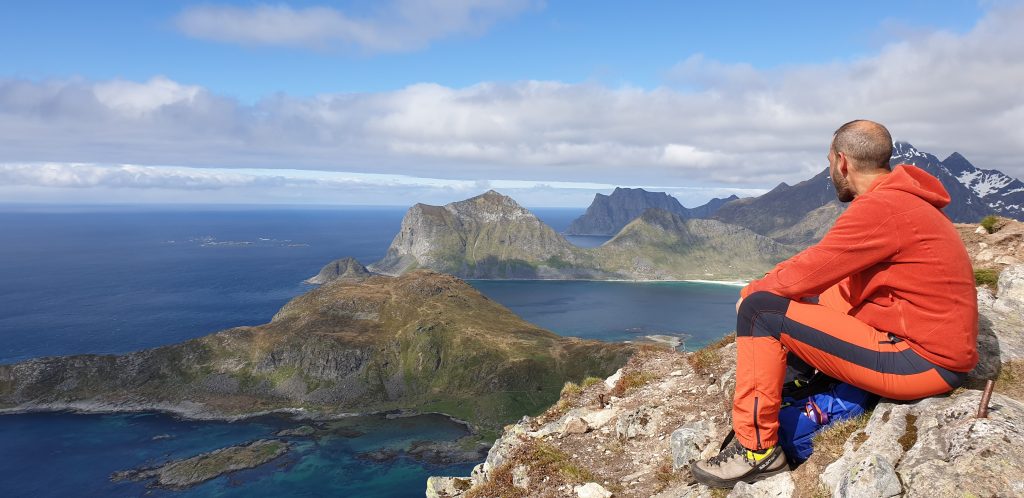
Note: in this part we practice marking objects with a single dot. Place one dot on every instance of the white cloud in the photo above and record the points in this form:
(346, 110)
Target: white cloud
(394, 26)
(739, 126)
(134, 183)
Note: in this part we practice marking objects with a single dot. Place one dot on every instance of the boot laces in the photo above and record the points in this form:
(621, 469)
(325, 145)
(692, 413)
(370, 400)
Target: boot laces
(732, 450)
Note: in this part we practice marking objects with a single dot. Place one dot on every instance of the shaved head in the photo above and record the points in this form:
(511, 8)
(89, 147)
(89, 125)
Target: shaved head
(866, 144)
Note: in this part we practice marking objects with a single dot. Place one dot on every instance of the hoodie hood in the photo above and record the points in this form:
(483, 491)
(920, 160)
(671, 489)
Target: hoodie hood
(916, 181)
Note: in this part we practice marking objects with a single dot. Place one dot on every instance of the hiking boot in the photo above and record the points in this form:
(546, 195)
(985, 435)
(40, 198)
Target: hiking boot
(736, 463)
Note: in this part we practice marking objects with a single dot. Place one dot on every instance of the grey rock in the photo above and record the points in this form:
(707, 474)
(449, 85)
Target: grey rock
(642, 421)
(447, 487)
(872, 477)
(520, 477)
(777, 486)
(688, 442)
(574, 425)
(591, 490)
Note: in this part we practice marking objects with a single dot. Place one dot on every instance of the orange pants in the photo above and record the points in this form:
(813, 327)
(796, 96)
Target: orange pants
(827, 338)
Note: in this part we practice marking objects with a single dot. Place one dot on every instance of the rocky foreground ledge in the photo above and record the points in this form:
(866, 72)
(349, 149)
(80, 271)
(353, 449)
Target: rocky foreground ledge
(634, 433)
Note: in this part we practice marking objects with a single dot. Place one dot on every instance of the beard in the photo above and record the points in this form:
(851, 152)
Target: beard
(842, 186)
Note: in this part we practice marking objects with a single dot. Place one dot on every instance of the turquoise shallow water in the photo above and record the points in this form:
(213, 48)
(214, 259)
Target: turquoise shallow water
(61, 454)
(111, 281)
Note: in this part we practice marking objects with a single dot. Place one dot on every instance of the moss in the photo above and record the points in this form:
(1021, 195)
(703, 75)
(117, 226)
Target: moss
(986, 277)
(989, 223)
(909, 437)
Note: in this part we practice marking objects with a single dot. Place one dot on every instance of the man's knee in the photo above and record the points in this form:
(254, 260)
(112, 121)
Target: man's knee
(758, 309)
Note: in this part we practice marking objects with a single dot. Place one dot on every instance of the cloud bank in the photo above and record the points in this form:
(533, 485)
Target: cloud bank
(395, 26)
(711, 125)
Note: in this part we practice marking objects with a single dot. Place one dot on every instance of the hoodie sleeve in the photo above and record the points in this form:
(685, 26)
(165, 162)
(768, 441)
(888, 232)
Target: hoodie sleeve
(864, 235)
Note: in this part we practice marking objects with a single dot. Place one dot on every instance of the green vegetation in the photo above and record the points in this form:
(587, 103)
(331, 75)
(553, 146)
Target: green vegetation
(986, 277)
(989, 223)
(549, 460)
(589, 381)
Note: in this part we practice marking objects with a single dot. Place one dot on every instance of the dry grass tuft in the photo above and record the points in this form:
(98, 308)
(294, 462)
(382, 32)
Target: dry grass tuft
(631, 380)
(828, 446)
(499, 483)
(1010, 381)
(706, 358)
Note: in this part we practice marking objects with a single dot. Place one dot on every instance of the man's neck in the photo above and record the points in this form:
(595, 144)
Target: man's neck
(862, 182)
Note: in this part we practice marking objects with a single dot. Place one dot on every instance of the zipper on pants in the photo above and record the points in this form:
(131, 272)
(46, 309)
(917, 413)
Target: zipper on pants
(757, 428)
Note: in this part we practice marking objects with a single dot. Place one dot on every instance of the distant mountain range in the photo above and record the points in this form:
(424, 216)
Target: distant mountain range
(492, 236)
(799, 215)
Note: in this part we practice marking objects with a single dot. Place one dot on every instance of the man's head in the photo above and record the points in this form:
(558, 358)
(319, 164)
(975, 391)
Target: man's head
(859, 148)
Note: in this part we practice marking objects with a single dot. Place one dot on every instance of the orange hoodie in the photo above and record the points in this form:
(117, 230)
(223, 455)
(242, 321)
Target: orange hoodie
(900, 264)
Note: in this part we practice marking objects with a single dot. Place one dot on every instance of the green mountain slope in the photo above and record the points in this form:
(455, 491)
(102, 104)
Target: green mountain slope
(423, 341)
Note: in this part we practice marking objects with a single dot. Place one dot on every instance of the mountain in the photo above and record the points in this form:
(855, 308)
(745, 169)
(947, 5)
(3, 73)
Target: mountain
(607, 214)
(487, 236)
(785, 212)
(1003, 194)
(491, 236)
(966, 206)
(423, 341)
(799, 215)
(658, 243)
(344, 269)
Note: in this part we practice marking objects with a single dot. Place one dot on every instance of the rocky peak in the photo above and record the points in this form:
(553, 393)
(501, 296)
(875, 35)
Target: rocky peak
(343, 269)
(904, 150)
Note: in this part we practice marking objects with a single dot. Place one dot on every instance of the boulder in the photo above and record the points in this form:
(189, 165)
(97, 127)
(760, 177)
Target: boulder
(688, 441)
(592, 490)
(777, 486)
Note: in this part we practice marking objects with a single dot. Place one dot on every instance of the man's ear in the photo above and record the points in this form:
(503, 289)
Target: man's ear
(842, 164)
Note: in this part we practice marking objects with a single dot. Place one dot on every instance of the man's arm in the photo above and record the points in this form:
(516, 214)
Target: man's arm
(864, 235)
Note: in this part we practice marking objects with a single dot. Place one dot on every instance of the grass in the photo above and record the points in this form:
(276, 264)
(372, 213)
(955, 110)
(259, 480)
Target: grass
(989, 223)
(829, 442)
(1010, 381)
(550, 461)
(986, 277)
(707, 357)
(589, 381)
(631, 380)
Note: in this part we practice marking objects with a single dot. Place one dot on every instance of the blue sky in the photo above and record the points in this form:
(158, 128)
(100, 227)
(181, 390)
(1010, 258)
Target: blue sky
(695, 98)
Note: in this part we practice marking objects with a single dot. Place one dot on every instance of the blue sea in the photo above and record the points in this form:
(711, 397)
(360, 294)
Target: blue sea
(117, 279)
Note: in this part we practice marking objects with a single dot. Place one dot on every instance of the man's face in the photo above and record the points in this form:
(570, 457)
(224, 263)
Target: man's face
(842, 185)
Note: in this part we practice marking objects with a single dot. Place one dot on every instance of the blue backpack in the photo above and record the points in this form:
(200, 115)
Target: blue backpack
(814, 406)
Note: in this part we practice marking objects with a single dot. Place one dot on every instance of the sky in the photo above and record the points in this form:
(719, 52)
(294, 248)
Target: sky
(392, 102)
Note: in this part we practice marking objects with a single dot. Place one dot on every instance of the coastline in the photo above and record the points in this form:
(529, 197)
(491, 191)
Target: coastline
(194, 411)
(730, 283)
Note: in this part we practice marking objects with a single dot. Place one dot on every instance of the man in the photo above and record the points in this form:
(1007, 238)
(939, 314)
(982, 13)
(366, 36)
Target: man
(896, 314)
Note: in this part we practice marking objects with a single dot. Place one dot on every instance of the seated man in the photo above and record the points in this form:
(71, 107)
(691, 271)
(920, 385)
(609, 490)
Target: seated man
(897, 312)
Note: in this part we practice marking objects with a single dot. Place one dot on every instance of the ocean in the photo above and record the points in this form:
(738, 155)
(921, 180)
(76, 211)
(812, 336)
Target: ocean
(118, 279)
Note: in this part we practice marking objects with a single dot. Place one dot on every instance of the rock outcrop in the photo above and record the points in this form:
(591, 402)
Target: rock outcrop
(636, 433)
(340, 269)
(423, 341)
